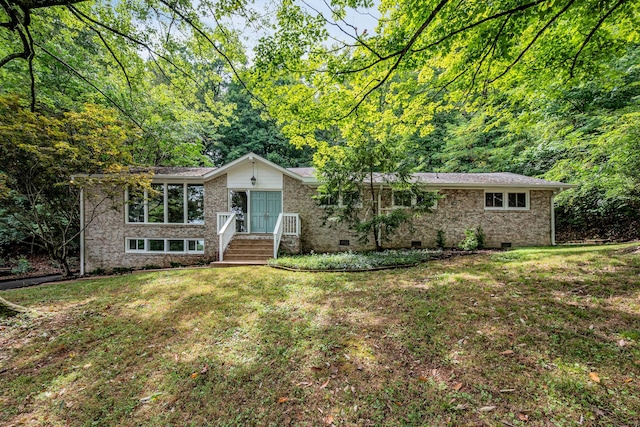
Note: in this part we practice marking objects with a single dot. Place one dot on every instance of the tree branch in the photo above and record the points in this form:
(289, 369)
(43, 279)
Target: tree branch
(538, 34)
(591, 33)
(107, 97)
(402, 53)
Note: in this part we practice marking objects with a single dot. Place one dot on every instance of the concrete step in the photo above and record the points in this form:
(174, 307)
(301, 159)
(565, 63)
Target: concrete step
(246, 257)
(225, 263)
(266, 252)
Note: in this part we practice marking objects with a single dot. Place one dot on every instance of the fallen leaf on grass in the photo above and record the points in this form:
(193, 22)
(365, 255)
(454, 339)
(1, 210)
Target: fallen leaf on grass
(487, 408)
(523, 417)
(204, 369)
(326, 383)
(423, 378)
(628, 380)
(328, 420)
(194, 375)
(506, 352)
(594, 377)
(316, 368)
(622, 343)
(457, 387)
(150, 398)
(283, 399)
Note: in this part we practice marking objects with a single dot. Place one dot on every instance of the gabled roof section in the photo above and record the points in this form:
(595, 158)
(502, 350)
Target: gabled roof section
(251, 157)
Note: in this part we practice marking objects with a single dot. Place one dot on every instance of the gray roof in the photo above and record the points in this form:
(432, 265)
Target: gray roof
(175, 171)
(493, 179)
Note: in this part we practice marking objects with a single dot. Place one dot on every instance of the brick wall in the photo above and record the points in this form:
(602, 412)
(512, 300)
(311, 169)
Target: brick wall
(106, 231)
(457, 211)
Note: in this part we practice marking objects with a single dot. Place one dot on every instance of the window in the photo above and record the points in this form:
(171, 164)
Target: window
(195, 204)
(156, 245)
(166, 204)
(176, 245)
(136, 245)
(350, 198)
(327, 199)
(403, 198)
(136, 207)
(175, 203)
(517, 200)
(196, 245)
(493, 200)
(342, 199)
(506, 200)
(164, 246)
(156, 203)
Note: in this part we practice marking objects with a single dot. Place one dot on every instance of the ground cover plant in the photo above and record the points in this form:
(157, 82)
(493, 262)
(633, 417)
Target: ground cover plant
(354, 260)
(536, 337)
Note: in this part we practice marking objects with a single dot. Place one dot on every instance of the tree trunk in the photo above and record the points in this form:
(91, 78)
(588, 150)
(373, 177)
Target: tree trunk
(8, 309)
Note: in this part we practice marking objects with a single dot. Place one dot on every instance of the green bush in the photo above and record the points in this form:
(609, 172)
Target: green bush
(470, 242)
(98, 272)
(480, 237)
(122, 270)
(23, 266)
(151, 267)
(441, 240)
(176, 264)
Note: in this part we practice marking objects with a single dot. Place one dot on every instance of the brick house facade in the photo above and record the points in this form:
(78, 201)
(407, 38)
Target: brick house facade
(184, 220)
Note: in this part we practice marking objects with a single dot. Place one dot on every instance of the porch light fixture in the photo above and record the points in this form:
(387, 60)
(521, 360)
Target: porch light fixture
(253, 174)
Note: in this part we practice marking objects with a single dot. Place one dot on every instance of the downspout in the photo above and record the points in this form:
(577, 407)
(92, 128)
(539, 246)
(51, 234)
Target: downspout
(380, 213)
(81, 232)
(553, 219)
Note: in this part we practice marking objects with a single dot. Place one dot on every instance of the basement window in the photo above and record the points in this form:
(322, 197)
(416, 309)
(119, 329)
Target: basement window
(164, 246)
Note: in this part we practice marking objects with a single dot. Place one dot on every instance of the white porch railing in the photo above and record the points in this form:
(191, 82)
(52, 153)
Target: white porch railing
(226, 233)
(288, 224)
(222, 219)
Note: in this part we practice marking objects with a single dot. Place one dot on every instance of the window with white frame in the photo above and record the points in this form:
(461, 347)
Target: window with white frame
(164, 245)
(506, 200)
(342, 199)
(166, 203)
(405, 198)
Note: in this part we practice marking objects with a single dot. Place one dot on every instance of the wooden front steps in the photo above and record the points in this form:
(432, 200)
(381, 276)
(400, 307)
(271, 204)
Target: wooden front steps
(247, 250)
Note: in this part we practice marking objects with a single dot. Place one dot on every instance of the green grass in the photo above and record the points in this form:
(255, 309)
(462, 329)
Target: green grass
(354, 260)
(429, 345)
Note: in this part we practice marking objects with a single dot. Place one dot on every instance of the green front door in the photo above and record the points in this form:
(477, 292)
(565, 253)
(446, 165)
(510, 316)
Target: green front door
(265, 208)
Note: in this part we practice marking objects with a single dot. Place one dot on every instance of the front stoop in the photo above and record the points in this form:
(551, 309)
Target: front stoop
(247, 250)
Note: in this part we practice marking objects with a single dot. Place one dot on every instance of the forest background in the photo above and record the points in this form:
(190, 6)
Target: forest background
(543, 88)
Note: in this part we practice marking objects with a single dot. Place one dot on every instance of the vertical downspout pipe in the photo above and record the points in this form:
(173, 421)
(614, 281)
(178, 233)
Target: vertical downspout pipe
(81, 232)
(553, 219)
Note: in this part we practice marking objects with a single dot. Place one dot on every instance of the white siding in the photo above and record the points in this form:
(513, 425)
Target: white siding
(266, 176)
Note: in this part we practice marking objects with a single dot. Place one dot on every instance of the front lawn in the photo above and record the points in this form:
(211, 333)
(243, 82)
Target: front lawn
(528, 337)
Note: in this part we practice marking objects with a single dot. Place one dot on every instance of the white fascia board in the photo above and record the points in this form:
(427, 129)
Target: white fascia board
(252, 157)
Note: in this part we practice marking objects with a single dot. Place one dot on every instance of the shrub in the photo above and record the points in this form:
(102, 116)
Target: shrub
(480, 237)
(470, 242)
(98, 272)
(151, 267)
(176, 264)
(441, 240)
(23, 266)
(122, 270)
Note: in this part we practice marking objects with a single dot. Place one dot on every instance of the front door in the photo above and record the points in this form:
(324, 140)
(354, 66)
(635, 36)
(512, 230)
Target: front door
(265, 208)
